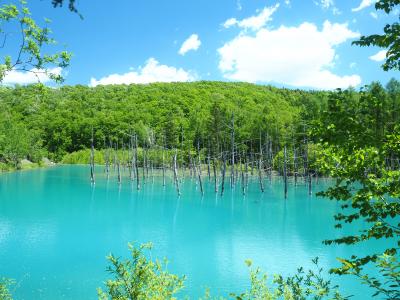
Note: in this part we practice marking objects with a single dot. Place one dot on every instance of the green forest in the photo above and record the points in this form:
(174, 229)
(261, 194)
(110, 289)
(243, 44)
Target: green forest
(39, 121)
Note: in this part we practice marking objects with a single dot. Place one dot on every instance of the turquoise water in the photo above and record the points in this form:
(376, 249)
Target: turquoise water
(56, 229)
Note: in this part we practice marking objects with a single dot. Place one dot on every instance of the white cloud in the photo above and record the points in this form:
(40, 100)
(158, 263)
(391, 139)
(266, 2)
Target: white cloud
(254, 22)
(239, 5)
(151, 72)
(287, 2)
(230, 22)
(374, 15)
(32, 76)
(298, 56)
(364, 4)
(327, 3)
(336, 11)
(352, 65)
(380, 56)
(192, 43)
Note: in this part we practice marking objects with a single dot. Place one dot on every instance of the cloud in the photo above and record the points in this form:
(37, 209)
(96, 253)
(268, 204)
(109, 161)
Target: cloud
(28, 77)
(380, 56)
(254, 22)
(192, 43)
(151, 72)
(239, 5)
(328, 4)
(298, 56)
(364, 4)
(374, 15)
(230, 22)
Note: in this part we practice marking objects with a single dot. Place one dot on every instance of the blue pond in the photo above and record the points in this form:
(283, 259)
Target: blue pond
(56, 230)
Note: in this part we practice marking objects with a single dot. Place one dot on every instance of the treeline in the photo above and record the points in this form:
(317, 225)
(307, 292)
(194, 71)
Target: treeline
(37, 121)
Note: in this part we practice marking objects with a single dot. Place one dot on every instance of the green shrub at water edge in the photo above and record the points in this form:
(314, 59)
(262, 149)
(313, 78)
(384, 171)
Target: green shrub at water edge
(141, 278)
(5, 284)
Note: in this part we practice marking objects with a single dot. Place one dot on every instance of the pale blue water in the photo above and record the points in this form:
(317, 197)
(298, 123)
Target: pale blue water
(56, 229)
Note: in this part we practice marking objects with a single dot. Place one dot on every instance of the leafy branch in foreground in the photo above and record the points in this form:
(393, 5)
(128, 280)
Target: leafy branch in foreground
(140, 278)
(361, 152)
(389, 39)
(33, 38)
(5, 293)
(389, 269)
(301, 286)
(71, 6)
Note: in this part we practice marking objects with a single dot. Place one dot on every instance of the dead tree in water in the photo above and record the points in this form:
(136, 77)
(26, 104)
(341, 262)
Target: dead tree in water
(163, 161)
(200, 181)
(176, 179)
(132, 158)
(307, 173)
(231, 157)
(208, 161)
(285, 171)
(260, 168)
(199, 166)
(223, 173)
(242, 177)
(246, 170)
(144, 163)
(137, 163)
(107, 159)
(92, 179)
(215, 176)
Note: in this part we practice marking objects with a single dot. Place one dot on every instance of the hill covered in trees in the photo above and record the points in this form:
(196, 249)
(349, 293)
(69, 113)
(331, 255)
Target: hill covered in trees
(38, 121)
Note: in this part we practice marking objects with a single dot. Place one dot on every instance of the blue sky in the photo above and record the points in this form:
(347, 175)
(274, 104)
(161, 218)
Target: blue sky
(296, 44)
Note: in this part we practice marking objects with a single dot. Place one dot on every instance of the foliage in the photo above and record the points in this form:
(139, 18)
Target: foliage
(5, 293)
(34, 39)
(175, 115)
(140, 278)
(361, 150)
(301, 286)
(390, 39)
(389, 269)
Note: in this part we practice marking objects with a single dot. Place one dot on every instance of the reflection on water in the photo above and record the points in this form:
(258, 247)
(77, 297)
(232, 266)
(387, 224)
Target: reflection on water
(56, 229)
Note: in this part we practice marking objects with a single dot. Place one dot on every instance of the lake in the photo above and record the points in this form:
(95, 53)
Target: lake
(56, 230)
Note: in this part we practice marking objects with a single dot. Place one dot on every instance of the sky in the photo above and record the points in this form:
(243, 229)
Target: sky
(286, 43)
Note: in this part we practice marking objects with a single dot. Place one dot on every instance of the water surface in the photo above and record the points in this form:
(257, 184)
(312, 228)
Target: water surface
(56, 229)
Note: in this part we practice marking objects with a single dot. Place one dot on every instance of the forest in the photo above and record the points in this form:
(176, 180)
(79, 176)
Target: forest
(39, 121)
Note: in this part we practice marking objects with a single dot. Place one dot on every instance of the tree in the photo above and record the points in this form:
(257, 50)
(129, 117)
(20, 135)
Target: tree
(390, 39)
(71, 6)
(29, 55)
(361, 155)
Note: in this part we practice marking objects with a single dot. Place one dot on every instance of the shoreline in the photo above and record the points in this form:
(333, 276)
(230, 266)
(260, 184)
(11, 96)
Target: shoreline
(26, 166)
